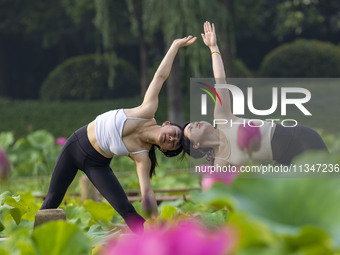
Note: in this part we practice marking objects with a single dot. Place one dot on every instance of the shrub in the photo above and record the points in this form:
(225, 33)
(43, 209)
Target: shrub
(302, 58)
(86, 77)
(241, 70)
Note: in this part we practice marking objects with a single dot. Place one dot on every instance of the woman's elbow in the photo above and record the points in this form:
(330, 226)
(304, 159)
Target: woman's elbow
(160, 77)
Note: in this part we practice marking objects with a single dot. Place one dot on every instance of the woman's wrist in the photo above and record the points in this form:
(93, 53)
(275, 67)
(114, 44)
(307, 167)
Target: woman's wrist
(214, 48)
(176, 45)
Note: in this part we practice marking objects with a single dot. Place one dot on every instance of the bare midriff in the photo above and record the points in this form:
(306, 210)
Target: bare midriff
(91, 134)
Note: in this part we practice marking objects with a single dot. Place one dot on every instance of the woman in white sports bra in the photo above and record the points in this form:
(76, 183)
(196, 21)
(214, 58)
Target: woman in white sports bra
(277, 142)
(124, 132)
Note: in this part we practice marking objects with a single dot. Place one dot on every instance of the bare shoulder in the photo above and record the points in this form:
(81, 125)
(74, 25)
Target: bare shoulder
(138, 112)
(141, 158)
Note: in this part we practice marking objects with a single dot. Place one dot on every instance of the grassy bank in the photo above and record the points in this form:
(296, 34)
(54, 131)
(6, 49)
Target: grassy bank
(59, 118)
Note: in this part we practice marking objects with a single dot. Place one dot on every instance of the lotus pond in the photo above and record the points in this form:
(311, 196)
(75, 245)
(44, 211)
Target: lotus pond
(241, 216)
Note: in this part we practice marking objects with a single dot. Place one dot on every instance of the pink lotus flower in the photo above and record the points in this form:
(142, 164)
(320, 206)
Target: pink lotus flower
(210, 179)
(187, 238)
(60, 141)
(249, 137)
(5, 166)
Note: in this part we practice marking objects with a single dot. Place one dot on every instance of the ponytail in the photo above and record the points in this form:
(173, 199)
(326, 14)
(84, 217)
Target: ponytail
(152, 156)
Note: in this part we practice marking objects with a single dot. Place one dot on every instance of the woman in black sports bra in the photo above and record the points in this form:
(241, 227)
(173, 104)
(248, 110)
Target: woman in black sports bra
(279, 143)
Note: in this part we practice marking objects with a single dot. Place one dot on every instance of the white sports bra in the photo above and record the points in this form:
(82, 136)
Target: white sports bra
(109, 129)
(238, 157)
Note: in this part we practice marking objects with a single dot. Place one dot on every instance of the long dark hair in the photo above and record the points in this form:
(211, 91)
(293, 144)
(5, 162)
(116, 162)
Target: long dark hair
(188, 146)
(172, 153)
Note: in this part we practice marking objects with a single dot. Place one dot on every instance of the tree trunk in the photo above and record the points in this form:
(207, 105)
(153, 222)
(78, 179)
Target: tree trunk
(229, 48)
(103, 23)
(143, 65)
(3, 76)
(143, 62)
(174, 94)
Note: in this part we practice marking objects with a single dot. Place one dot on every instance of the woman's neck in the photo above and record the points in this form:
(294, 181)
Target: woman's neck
(150, 134)
(223, 149)
(212, 140)
(218, 142)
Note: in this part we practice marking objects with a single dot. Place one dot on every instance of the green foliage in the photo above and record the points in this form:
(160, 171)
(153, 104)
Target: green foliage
(13, 207)
(38, 19)
(217, 198)
(51, 238)
(78, 215)
(60, 238)
(241, 70)
(287, 201)
(99, 211)
(6, 139)
(302, 58)
(167, 212)
(311, 240)
(297, 216)
(179, 18)
(270, 216)
(289, 219)
(3, 251)
(19, 208)
(34, 155)
(87, 225)
(296, 17)
(252, 232)
(86, 78)
(78, 11)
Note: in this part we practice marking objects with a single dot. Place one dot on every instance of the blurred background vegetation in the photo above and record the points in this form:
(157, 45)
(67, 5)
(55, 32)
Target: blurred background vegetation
(63, 62)
(67, 56)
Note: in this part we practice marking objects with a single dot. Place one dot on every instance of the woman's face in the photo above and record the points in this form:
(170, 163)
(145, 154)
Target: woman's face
(197, 131)
(169, 138)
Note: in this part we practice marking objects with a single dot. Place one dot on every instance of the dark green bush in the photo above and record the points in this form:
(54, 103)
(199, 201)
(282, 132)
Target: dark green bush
(86, 78)
(241, 70)
(302, 58)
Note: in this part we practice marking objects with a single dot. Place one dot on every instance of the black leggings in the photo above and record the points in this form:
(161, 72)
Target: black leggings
(288, 142)
(78, 153)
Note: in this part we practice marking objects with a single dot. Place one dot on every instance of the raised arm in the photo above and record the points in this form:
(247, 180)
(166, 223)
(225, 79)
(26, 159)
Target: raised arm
(150, 103)
(209, 38)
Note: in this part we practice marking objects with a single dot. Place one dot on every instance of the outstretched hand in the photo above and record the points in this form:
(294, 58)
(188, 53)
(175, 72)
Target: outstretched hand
(209, 36)
(186, 41)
